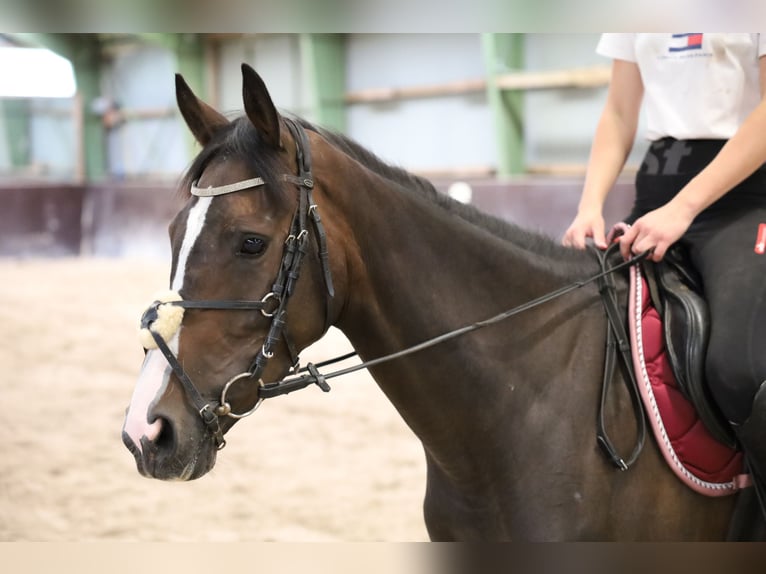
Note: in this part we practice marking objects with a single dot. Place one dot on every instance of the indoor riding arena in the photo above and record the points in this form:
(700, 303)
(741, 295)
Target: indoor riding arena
(88, 186)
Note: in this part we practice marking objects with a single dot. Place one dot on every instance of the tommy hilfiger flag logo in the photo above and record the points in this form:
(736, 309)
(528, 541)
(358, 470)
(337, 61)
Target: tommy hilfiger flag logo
(688, 41)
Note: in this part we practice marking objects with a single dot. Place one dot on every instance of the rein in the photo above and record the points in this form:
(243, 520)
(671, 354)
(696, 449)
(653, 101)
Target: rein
(288, 385)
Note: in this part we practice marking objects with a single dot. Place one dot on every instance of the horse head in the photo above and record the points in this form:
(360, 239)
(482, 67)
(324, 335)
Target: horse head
(238, 249)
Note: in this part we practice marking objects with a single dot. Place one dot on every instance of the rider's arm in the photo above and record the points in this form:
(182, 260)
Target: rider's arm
(612, 142)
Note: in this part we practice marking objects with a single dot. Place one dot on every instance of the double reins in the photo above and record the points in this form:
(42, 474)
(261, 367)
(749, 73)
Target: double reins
(313, 377)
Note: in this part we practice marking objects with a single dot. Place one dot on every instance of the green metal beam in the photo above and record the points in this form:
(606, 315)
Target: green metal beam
(504, 53)
(191, 65)
(324, 72)
(190, 55)
(85, 56)
(16, 120)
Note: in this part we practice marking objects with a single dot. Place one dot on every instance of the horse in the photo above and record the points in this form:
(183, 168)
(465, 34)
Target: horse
(505, 413)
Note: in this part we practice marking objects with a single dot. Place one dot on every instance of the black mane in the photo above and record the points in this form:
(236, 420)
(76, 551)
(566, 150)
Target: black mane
(529, 240)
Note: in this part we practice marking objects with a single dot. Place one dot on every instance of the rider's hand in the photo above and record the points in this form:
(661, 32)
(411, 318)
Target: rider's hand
(586, 224)
(656, 230)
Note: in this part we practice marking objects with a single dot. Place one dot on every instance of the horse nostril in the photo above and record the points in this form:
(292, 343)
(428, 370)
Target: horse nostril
(154, 430)
(164, 436)
(158, 436)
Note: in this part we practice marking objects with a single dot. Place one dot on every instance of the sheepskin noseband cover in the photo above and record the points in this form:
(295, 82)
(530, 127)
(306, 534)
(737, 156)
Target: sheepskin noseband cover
(168, 320)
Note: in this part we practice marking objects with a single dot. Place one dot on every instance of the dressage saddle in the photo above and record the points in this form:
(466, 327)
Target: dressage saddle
(677, 294)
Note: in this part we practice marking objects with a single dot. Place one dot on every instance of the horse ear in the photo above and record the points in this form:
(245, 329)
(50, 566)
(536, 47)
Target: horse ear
(203, 121)
(259, 107)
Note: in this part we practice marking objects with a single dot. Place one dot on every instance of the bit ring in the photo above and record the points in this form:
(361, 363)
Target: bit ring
(224, 409)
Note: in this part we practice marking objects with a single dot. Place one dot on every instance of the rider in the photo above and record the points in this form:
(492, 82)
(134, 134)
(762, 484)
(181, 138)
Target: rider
(702, 183)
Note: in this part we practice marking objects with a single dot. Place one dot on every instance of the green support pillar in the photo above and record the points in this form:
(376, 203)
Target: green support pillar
(190, 55)
(324, 72)
(504, 53)
(16, 120)
(85, 55)
(190, 63)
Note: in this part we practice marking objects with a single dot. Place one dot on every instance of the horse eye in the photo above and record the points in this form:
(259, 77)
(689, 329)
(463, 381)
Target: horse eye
(252, 246)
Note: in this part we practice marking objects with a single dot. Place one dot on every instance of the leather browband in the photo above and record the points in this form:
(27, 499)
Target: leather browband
(223, 189)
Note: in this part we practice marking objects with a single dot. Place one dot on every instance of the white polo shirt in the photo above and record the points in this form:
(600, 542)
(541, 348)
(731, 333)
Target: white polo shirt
(696, 85)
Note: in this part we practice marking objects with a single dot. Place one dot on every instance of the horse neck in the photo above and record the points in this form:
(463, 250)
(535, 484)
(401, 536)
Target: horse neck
(416, 270)
(410, 270)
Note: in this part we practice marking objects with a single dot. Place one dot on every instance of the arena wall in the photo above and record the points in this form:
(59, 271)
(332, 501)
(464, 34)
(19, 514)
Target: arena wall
(130, 220)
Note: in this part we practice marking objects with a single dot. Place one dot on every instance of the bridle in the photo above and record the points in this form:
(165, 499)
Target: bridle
(272, 305)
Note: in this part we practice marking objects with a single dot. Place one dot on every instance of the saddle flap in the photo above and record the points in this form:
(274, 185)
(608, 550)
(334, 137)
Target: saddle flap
(686, 326)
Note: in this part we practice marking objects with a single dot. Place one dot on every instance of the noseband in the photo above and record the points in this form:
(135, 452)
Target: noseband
(272, 305)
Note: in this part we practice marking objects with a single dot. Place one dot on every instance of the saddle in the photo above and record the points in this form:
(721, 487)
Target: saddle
(663, 344)
(676, 293)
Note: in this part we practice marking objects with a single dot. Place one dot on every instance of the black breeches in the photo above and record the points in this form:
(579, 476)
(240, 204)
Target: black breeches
(734, 280)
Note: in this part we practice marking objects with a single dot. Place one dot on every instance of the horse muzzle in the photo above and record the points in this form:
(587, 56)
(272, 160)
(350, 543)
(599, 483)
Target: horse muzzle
(164, 458)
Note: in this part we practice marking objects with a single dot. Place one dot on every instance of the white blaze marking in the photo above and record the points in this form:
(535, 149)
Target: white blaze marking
(194, 224)
(153, 378)
(155, 371)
